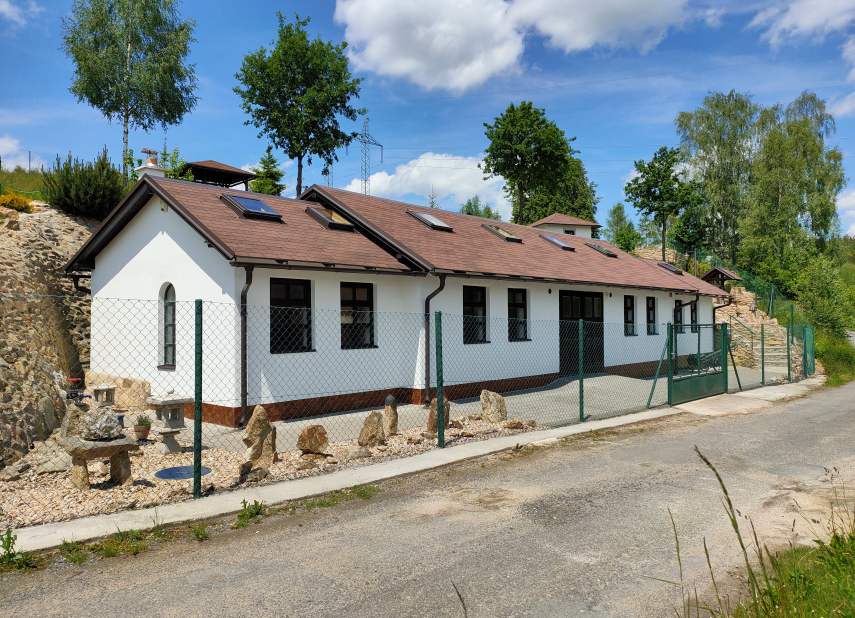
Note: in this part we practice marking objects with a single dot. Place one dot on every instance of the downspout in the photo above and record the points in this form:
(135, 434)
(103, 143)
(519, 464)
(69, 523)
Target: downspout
(243, 380)
(426, 392)
(715, 307)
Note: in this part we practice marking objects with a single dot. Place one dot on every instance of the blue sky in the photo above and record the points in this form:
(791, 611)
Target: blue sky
(613, 73)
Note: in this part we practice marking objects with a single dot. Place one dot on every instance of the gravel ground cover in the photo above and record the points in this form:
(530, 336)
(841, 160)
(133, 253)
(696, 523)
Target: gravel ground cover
(37, 498)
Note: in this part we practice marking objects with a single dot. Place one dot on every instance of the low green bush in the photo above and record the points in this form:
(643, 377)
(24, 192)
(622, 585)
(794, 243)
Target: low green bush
(83, 188)
(837, 356)
(16, 201)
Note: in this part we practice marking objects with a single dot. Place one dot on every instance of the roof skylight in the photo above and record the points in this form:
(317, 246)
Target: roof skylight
(671, 267)
(501, 233)
(557, 241)
(329, 218)
(602, 249)
(429, 220)
(252, 207)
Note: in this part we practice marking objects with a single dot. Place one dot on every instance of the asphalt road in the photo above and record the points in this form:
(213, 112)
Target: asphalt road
(577, 529)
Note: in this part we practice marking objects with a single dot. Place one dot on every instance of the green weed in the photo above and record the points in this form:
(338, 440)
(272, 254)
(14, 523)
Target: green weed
(837, 356)
(12, 559)
(366, 492)
(73, 552)
(249, 513)
(199, 532)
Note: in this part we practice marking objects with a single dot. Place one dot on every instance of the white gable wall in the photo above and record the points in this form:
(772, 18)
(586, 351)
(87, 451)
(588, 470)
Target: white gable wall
(580, 231)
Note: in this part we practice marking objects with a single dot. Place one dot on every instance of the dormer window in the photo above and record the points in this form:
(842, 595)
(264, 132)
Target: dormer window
(429, 220)
(571, 232)
(329, 219)
(501, 232)
(251, 207)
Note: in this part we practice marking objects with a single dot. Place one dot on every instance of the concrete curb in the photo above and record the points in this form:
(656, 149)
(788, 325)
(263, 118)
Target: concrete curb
(51, 535)
(47, 536)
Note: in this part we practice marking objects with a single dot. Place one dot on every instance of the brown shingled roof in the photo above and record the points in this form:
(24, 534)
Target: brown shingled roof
(472, 249)
(557, 218)
(220, 167)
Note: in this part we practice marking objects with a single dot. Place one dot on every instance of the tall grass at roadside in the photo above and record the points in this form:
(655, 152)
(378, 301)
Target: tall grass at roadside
(837, 357)
(798, 583)
(20, 180)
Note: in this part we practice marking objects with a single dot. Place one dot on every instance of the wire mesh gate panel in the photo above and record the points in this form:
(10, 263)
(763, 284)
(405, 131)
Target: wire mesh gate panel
(697, 364)
(107, 405)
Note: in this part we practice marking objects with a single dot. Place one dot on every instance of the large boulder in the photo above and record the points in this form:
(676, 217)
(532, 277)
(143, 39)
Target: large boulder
(433, 424)
(372, 431)
(313, 439)
(390, 425)
(94, 424)
(493, 408)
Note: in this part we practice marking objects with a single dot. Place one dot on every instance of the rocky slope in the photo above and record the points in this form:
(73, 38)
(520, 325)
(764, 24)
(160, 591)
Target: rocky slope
(44, 327)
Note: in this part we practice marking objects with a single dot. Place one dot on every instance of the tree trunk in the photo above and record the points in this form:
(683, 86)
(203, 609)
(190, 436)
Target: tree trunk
(664, 223)
(125, 150)
(520, 209)
(299, 175)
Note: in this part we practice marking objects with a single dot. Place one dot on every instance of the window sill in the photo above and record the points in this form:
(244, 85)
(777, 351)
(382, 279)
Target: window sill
(475, 342)
(630, 334)
(653, 334)
(361, 347)
(516, 340)
(166, 367)
(291, 352)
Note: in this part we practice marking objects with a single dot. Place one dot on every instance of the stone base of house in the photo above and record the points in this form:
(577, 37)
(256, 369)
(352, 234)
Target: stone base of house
(319, 406)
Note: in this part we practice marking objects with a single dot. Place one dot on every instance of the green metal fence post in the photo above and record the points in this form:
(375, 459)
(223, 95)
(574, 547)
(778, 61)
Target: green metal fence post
(699, 348)
(724, 350)
(440, 402)
(669, 337)
(762, 355)
(791, 322)
(197, 416)
(789, 369)
(581, 371)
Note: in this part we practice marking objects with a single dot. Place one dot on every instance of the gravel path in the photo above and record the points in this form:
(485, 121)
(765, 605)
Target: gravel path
(572, 530)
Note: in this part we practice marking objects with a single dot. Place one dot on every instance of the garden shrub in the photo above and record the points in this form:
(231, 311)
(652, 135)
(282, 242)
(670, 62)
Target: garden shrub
(83, 188)
(16, 201)
(826, 301)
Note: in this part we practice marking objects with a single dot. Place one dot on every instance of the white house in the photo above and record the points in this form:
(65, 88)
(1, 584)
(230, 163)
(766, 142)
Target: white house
(336, 286)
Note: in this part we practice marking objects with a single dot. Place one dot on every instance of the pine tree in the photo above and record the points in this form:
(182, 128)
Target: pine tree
(269, 174)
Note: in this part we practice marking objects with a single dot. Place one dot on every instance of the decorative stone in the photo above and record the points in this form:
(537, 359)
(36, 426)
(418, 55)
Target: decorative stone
(169, 410)
(390, 417)
(313, 439)
(260, 438)
(432, 420)
(71, 420)
(104, 394)
(168, 445)
(306, 464)
(118, 450)
(414, 440)
(456, 424)
(531, 423)
(79, 473)
(514, 423)
(356, 452)
(99, 467)
(493, 408)
(372, 431)
(99, 424)
(313, 457)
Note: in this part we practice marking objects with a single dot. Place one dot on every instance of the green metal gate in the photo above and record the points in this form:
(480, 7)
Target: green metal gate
(697, 361)
(809, 361)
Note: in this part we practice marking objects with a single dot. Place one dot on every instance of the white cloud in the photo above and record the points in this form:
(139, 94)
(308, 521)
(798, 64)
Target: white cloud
(814, 19)
(454, 179)
(843, 107)
(18, 15)
(458, 44)
(846, 209)
(13, 155)
(576, 25)
(451, 44)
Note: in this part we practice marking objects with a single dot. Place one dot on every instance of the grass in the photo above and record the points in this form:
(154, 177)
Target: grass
(798, 583)
(364, 492)
(22, 181)
(837, 356)
(199, 531)
(72, 552)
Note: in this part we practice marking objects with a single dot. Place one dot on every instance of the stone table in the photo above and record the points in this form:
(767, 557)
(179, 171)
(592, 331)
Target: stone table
(169, 420)
(117, 449)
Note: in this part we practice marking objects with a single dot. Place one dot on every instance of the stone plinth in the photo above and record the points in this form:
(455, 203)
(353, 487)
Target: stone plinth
(169, 410)
(82, 450)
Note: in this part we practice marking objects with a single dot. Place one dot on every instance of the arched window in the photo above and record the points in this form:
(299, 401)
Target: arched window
(169, 326)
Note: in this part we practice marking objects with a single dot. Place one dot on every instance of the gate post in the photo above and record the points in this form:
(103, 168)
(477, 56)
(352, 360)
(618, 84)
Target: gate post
(789, 363)
(669, 336)
(581, 371)
(440, 402)
(724, 349)
(197, 415)
(762, 356)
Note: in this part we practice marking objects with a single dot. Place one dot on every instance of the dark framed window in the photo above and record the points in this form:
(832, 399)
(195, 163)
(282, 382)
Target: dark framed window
(357, 316)
(678, 317)
(652, 328)
(693, 317)
(168, 360)
(474, 314)
(571, 232)
(290, 315)
(517, 315)
(629, 316)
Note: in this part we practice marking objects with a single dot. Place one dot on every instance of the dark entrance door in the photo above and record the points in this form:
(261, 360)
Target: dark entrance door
(572, 307)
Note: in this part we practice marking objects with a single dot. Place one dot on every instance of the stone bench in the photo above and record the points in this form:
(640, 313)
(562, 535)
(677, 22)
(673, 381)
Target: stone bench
(81, 451)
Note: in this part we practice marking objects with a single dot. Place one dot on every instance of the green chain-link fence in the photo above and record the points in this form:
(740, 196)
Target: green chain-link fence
(119, 404)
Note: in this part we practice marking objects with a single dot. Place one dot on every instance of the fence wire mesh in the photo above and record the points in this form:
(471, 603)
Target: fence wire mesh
(99, 398)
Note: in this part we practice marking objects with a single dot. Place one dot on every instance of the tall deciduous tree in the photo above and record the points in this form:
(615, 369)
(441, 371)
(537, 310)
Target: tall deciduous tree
(659, 191)
(295, 92)
(269, 174)
(720, 139)
(619, 230)
(130, 61)
(529, 151)
(473, 206)
(573, 194)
